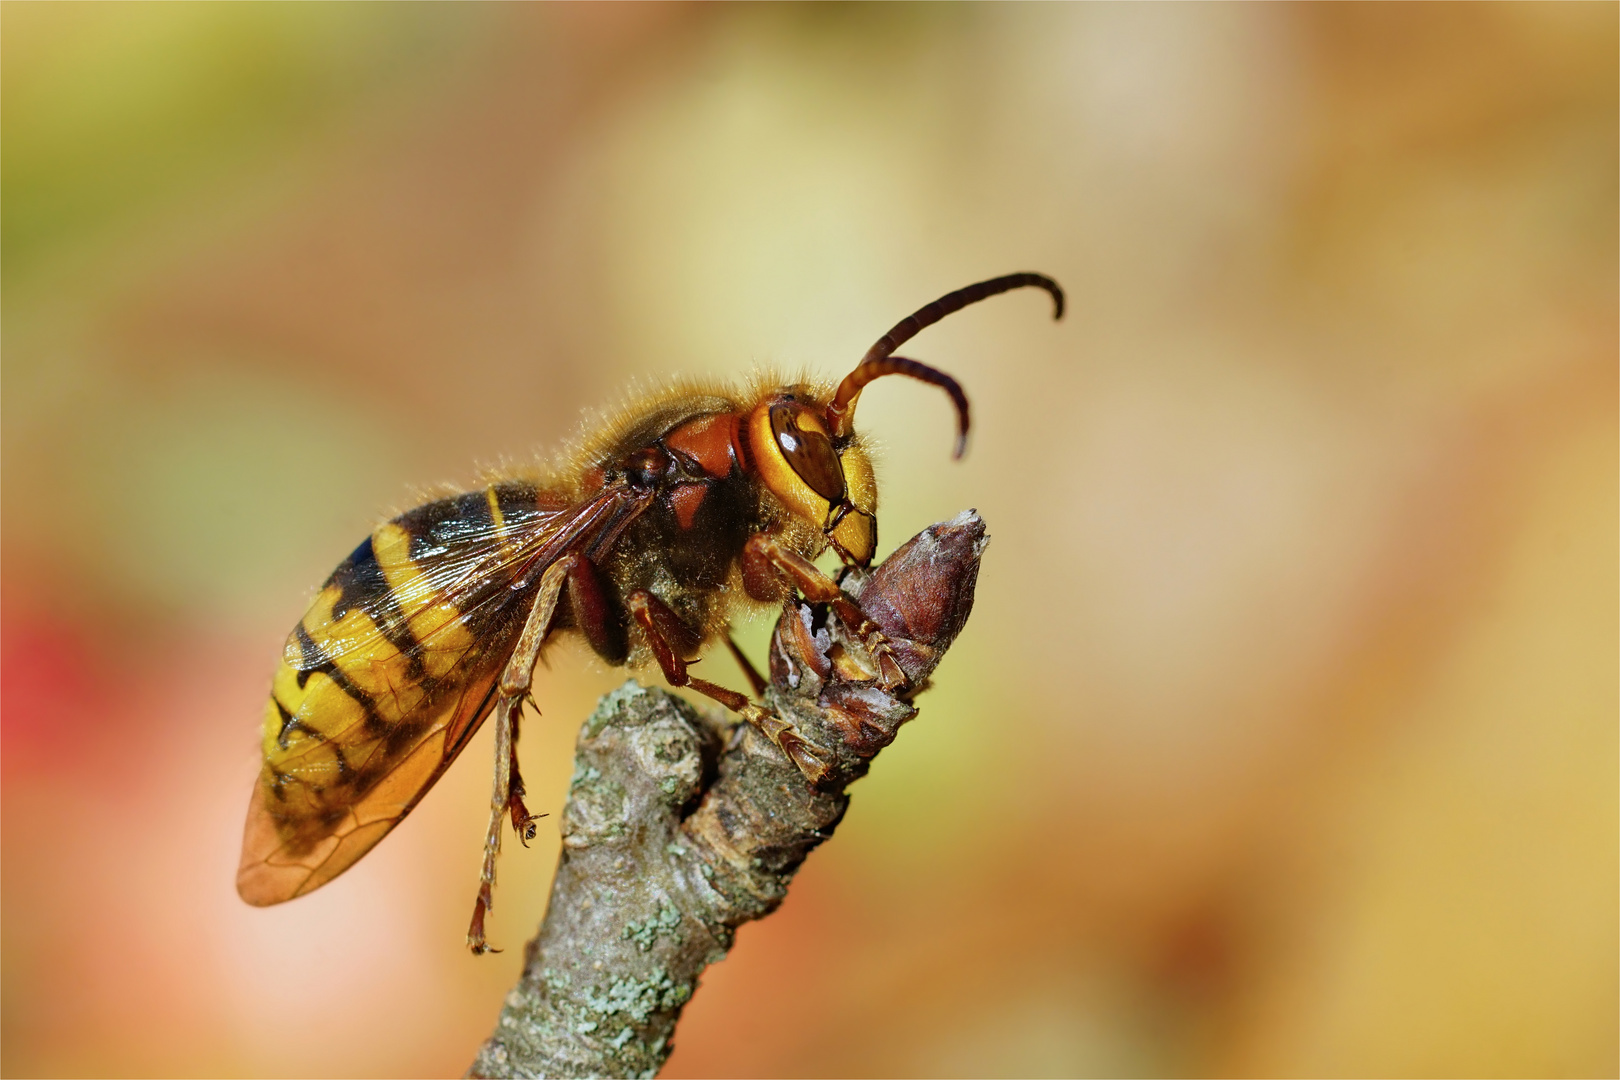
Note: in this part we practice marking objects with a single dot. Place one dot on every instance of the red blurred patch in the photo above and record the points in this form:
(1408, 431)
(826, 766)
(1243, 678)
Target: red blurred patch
(58, 692)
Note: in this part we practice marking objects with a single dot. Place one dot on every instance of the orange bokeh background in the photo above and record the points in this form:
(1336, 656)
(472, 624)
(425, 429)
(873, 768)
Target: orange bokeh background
(1283, 739)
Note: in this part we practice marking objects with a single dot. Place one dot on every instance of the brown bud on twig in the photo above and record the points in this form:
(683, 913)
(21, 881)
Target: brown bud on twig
(919, 598)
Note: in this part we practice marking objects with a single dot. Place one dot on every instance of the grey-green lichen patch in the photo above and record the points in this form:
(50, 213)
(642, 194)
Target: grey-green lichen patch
(636, 998)
(596, 810)
(527, 1034)
(612, 706)
(572, 1027)
(645, 934)
(670, 751)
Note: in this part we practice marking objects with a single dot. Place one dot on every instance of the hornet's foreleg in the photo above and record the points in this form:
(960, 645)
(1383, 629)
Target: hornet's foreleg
(766, 557)
(664, 629)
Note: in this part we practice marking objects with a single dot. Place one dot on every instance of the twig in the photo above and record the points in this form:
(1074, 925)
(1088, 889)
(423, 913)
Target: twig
(677, 832)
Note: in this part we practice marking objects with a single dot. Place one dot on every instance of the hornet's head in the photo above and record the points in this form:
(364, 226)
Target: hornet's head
(814, 476)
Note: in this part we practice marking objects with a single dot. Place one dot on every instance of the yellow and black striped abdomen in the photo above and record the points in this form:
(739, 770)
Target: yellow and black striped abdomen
(383, 681)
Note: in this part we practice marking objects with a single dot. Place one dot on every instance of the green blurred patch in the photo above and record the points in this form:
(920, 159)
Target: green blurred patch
(234, 490)
(109, 111)
(224, 490)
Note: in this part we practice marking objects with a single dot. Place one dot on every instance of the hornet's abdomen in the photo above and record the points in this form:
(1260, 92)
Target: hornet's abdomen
(379, 683)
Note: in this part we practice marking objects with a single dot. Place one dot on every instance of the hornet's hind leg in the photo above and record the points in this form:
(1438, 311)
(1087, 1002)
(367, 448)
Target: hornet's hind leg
(513, 691)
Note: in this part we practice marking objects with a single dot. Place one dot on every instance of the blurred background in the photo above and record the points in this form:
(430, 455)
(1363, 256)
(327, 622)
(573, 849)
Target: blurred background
(1283, 740)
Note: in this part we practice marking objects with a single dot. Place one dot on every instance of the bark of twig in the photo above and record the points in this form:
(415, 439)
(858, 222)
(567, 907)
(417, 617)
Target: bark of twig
(676, 832)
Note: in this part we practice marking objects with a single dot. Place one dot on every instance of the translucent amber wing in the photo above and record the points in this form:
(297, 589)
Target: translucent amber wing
(298, 837)
(391, 671)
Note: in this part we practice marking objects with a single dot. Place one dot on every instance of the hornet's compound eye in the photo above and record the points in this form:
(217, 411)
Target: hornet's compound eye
(808, 450)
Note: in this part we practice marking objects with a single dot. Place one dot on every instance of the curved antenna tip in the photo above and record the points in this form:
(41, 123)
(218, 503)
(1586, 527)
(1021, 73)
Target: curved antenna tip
(1059, 301)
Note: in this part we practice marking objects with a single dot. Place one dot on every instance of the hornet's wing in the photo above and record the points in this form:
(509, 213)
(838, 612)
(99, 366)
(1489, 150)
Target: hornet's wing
(393, 668)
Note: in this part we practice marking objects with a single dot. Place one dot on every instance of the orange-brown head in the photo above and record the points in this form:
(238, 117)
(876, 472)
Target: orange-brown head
(795, 456)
